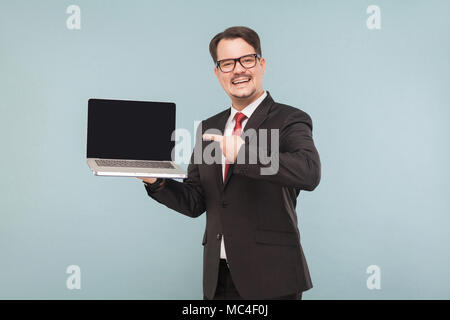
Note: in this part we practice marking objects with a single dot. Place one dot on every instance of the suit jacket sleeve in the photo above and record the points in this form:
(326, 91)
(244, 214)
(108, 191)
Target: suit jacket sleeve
(298, 160)
(186, 197)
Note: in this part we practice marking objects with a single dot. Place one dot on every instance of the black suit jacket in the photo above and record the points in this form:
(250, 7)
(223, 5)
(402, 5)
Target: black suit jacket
(255, 213)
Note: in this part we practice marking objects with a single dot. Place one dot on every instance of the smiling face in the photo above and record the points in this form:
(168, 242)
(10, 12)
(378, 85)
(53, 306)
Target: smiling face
(242, 85)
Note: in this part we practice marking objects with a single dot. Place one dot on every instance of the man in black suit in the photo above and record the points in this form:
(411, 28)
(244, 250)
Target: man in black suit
(251, 243)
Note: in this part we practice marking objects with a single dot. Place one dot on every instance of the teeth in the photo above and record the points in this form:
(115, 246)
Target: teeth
(240, 81)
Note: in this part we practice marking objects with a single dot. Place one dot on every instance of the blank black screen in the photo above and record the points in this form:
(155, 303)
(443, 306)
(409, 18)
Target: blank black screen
(120, 129)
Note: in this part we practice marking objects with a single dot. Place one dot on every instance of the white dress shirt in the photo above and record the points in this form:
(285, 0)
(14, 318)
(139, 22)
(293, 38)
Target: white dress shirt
(229, 126)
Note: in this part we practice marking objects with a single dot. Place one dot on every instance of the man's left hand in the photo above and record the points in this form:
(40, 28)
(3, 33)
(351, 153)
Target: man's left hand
(229, 145)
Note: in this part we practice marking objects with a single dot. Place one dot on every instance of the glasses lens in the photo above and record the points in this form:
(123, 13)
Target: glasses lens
(248, 61)
(226, 65)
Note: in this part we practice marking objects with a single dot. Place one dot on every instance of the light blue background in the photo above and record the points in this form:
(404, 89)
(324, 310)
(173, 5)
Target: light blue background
(379, 100)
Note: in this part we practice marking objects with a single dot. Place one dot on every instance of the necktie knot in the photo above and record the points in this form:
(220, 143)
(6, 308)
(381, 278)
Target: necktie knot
(239, 117)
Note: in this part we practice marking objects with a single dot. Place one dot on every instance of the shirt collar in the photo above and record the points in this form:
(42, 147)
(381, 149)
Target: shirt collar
(248, 110)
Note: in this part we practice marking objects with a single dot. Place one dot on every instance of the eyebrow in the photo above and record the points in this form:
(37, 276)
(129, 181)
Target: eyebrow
(247, 54)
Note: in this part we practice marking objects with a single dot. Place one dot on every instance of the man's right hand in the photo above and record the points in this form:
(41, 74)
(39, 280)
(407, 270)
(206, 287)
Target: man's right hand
(148, 180)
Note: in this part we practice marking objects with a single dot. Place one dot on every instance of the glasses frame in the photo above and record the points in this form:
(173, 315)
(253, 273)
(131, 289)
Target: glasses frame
(257, 56)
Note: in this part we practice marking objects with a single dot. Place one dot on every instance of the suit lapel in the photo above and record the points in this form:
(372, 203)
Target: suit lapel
(218, 166)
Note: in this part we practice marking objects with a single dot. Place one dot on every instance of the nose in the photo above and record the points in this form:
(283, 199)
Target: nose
(238, 68)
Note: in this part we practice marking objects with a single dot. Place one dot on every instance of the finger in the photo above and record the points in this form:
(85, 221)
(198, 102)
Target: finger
(213, 137)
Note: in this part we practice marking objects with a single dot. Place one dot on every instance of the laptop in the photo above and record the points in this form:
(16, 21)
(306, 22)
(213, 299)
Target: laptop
(131, 139)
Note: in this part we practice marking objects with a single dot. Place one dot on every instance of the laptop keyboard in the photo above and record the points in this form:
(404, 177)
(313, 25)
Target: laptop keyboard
(135, 164)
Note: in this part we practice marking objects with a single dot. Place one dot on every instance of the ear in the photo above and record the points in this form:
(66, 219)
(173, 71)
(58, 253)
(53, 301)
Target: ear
(262, 62)
(216, 72)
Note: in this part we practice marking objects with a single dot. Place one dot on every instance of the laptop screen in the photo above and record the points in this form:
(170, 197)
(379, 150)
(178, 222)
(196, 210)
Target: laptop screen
(121, 129)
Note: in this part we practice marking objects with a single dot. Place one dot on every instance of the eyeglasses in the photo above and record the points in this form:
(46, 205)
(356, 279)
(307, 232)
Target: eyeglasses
(248, 61)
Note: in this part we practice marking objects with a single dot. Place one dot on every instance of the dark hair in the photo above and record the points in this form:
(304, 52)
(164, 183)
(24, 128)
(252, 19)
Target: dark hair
(247, 34)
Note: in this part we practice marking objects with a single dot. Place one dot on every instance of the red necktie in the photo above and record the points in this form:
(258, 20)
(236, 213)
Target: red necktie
(238, 117)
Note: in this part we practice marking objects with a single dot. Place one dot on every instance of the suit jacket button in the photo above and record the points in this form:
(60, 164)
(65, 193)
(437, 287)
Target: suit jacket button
(219, 236)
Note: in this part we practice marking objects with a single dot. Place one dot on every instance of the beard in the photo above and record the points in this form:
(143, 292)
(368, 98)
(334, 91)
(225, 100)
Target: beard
(244, 95)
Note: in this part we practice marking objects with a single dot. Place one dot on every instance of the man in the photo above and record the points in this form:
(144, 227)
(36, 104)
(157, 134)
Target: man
(251, 243)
